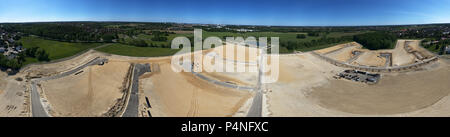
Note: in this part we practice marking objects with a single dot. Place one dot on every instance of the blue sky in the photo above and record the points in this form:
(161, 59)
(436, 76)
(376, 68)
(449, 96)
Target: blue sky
(251, 12)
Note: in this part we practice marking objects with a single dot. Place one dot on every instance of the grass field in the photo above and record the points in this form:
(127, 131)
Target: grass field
(283, 36)
(434, 48)
(56, 49)
(127, 50)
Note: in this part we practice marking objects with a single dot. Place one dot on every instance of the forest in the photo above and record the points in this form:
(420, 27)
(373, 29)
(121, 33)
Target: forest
(376, 40)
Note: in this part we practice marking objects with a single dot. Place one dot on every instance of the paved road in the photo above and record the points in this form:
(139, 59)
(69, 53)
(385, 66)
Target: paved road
(37, 110)
(36, 104)
(133, 101)
(256, 108)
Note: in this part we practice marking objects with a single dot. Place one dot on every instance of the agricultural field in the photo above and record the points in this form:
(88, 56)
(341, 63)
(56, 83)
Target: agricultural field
(148, 39)
(127, 50)
(56, 49)
(285, 37)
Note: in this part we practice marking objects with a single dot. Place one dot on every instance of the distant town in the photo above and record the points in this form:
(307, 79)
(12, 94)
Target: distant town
(8, 45)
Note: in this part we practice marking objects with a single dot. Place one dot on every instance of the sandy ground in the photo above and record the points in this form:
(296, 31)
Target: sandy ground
(370, 58)
(222, 51)
(415, 45)
(305, 88)
(90, 93)
(313, 92)
(239, 78)
(12, 97)
(399, 55)
(182, 94)
(298, 74)
(393, 94)
(3, 81)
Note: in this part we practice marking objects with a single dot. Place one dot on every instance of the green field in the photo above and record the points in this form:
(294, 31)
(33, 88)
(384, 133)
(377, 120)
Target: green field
(59, 50)
(56, 49)
(148, 38)
(283, 36)
(127, 50)
(434, 48)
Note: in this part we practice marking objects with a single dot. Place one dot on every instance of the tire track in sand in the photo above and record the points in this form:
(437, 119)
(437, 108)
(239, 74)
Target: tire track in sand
(90, 94)
(193, 109)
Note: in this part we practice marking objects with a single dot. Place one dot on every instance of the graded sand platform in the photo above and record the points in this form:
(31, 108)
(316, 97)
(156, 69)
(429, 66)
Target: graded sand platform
(344, 54)
(241, 78)
(400, 56)
(230, 48)
(370, 58)
(90, 93)
(183, 94)
(333, 48)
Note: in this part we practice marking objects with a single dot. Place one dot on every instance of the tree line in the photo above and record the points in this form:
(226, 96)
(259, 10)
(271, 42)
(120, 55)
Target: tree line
(299, 46)
(17, 62)
(376, 40)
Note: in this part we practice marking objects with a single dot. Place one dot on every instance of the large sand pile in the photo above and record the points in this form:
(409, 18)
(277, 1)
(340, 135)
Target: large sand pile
(90, 93)
(183, 94)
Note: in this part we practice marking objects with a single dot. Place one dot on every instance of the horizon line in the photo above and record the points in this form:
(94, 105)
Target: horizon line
(412, 24)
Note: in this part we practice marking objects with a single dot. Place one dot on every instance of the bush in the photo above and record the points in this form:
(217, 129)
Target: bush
(158, 38)
(301, 36)
(42, 55)
(314, 34)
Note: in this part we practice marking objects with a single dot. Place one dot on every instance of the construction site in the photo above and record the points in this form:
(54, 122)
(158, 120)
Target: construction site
(342, 80)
